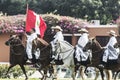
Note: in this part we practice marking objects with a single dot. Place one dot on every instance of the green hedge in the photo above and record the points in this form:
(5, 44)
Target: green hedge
(14, 72)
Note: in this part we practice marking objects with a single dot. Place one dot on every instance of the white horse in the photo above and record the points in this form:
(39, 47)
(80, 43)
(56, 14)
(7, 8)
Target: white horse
(66, 51)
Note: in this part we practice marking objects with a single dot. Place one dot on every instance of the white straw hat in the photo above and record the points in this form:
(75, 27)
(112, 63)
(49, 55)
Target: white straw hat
(57, 27)
(83, 30)
(112, 32)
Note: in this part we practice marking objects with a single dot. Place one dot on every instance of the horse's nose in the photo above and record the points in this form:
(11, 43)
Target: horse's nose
(7, 43)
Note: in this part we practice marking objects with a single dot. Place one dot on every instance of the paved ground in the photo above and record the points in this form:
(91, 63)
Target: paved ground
(47, 79)
(61, 76)
(50, 79)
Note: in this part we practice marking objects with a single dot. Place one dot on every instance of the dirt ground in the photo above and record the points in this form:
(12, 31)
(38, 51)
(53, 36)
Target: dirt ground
(51, 79)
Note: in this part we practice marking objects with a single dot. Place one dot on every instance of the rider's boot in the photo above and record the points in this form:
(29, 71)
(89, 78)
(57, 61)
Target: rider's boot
(102, 65)
(29, 61)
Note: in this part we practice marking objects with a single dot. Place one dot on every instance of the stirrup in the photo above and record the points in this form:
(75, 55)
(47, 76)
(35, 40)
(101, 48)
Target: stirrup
(52, 62)
(101, 65)
(29, 61)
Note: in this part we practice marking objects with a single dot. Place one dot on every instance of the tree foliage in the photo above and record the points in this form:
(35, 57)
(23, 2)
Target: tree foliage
(103, 10)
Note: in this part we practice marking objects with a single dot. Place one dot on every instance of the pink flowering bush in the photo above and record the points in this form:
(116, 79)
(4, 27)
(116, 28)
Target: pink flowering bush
(71, 25)
(68, 24)
(12, 24)
(16, 24)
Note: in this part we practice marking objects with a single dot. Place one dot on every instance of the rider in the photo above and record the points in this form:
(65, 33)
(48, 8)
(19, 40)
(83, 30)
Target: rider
(30, 37)
(83, 40)
(110, 52)
(58, 37)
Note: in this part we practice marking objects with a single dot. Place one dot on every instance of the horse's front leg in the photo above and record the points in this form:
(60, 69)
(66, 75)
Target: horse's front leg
(97, 74)
(11, 65)
(76, 69)
(82, 69)
(73, 72)
(109, 74)
(55, 72)
(115, 75)
(45, 74)
(41, 74)
(23, 69)
(102, 74)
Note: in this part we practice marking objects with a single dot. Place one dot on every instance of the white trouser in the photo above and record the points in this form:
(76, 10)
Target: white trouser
(37, 54)
(110, 54)
(79, 52)
(28, 50)
(53, 46)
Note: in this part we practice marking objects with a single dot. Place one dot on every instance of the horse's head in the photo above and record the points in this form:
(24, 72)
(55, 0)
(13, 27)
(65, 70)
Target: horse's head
(93, 45)
(117, 45)
(13, 40)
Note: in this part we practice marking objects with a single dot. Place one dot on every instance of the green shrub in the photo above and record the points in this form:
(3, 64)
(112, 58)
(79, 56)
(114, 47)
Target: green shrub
(14, 72)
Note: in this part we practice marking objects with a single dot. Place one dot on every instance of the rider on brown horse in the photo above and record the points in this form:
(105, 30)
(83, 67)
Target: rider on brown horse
(110, 53)
(30, 38)
(83, 40)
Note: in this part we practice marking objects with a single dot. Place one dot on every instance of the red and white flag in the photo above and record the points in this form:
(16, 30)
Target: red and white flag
(33, 20)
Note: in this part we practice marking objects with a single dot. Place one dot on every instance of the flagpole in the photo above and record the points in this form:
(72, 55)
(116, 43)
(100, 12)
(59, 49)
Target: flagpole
(25, 35)
(27, 5)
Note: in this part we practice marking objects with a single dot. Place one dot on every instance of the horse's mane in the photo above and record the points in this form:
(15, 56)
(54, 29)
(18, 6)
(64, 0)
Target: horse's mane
(97, 43)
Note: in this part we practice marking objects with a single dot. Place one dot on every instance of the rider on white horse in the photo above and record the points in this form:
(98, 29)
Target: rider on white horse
(57, 38)
(83, 40)
(110, 52)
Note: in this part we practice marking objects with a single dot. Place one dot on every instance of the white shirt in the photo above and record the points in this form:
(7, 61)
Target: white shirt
(58, 37)
(111, 52)
(83, 40)
(32, 37)
(111, 42)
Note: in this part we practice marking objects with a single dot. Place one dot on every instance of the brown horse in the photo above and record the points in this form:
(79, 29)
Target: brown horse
(17, 53)
(44, 58)
(97, 53)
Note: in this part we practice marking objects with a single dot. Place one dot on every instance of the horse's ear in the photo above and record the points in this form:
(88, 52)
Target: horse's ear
(92, 38)
(11, 35)
(19, 36)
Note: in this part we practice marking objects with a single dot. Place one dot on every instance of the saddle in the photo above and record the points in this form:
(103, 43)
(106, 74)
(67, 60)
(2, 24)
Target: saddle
(112, 62)
(58, 61)
(87, 62)
(118, 60)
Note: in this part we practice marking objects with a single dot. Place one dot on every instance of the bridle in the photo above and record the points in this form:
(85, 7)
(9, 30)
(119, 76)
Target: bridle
(12, 46)
(91, 42)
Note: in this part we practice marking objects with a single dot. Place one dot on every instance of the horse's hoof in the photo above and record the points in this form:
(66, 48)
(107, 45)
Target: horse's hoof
(26, 78)
(54, 77)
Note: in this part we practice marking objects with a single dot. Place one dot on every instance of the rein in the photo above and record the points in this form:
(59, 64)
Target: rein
(12, 49)
(16, 44)
(96, 51)
(43, 42)
(63, 52)
(44, 48)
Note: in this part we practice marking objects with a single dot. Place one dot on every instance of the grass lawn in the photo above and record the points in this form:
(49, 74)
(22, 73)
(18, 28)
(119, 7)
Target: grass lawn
(20, 79)
(39, 79)
(48, 79)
